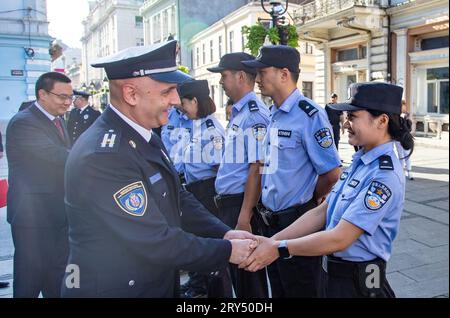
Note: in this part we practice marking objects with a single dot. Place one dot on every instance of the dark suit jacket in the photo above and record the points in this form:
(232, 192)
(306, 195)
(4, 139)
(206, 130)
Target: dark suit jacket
(125, 219)
(36, 159)
(78, 122)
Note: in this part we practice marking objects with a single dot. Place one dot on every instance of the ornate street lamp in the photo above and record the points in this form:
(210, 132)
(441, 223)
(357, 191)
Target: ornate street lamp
(276, 13)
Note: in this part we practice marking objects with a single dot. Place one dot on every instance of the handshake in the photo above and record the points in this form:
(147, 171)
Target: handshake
(251, 252)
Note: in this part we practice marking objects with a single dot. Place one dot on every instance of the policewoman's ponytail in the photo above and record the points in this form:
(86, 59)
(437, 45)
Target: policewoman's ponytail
(400, 130)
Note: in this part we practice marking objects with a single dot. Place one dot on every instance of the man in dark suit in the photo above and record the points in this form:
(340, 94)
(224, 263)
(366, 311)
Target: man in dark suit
(131, 224)
(334, 116)
(37, 144)
(82, 116)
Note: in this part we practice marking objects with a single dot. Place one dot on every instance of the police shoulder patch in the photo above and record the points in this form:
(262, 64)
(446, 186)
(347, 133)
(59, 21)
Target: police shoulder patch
(217, 142)
(253, 106)
(309, 109)
(109, 141)
(385, 162)
(323, 137)
(132, 199)
(210, 124)
(259, 131)
(377, 195)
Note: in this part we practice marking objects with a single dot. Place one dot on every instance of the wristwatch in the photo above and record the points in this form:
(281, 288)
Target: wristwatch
(283, 250)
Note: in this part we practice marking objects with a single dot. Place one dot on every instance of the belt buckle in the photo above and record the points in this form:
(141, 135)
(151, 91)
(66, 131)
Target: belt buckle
(216, 199)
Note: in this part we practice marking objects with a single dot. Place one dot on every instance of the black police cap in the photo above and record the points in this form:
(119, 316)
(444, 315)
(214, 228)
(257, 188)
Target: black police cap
(195, 88)
(156, 61)
(81, 93)
(379, 96)
(279, 56)
(233, 61)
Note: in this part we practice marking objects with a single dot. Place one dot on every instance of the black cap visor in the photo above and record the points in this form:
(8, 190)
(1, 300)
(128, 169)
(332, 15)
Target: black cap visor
(345, 107)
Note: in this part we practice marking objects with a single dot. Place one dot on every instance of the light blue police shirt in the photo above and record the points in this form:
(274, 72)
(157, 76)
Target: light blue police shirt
(204, 152)
(243, 143)
(176, 136)
(370, 195)
(299, 147)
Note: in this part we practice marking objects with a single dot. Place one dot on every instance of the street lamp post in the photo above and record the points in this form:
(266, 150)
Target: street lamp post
(276, 13)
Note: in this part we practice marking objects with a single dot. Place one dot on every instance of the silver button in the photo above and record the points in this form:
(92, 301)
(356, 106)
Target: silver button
(131, 283)
(164, 194)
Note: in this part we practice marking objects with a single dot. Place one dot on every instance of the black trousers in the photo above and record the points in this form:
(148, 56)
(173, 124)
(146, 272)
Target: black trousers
(40, 260)
(299, 276)
(246, 284)
(353, 282)
(217, 284)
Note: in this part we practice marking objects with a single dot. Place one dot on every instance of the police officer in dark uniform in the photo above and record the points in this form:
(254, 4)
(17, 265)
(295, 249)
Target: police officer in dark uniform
(82, 116)
(362, 212)
(334, 116)
(131, 224)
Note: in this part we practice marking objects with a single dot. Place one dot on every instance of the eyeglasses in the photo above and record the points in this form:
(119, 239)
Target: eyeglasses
(62, 97)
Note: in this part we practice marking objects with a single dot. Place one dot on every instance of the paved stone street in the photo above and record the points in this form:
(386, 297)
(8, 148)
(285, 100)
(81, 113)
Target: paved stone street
(419, 266)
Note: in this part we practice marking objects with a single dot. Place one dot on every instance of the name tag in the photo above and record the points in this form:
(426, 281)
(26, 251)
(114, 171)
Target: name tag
(155, 178)
(284, 133)
(353, 183)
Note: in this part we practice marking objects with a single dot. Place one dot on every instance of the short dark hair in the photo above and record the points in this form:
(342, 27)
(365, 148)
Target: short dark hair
(205, 106)
(334, 95)
(295, 76)
(47, 81)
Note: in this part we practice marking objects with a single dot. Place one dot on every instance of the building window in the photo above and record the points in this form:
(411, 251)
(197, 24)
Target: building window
(204, 53)
(362, 52)
(437, 90)
(139, 41)
(165, 24)
(197, 56)
(138, 22)
(211, 51)
(156, 27)
(347, 55)
(220, 46)
(308, 48)
(231, 39)
(434, 43)
(307, 88)
(173, 20)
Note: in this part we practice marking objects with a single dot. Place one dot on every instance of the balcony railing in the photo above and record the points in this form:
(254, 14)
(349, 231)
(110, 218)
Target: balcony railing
(322, 8)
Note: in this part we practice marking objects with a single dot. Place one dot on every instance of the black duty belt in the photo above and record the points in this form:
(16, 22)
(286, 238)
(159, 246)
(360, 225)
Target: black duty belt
(338, 267)
(283, 218)
(198, 186)
(228, 200)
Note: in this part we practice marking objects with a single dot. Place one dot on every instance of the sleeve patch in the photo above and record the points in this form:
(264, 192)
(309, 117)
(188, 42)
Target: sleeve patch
(309, 109)
(259, 131)
(132, 199)
(253, 106)
(323, 137)
(376, 196)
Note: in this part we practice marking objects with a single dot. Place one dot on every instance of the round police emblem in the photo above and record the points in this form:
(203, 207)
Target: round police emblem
(259, 131)
(218, 142)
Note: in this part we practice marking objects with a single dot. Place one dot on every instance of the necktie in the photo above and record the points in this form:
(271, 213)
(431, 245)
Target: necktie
(57, 122)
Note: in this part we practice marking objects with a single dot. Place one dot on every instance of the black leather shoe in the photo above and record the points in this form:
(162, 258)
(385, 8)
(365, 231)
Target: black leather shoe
(4, 284)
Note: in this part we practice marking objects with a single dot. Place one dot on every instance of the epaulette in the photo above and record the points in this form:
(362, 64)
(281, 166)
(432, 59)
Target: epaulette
(109, 141)
(309, 109)
(385, 162)
(252, 106)
(210, 124)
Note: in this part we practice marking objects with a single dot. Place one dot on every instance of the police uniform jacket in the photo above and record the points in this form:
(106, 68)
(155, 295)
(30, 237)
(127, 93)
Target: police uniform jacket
(130, 223)
(79, 122)
(36, 157)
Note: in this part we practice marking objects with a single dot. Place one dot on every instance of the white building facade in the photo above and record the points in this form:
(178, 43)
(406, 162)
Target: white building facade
(225, 36)
(181, 20)
(112, 25)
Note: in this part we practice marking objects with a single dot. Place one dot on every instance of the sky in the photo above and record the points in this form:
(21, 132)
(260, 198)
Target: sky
(65, 17)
